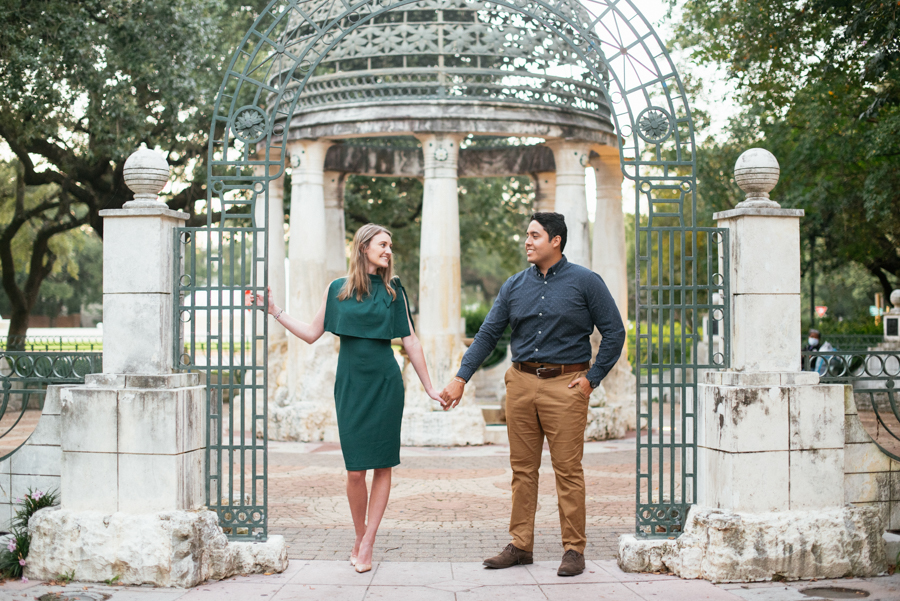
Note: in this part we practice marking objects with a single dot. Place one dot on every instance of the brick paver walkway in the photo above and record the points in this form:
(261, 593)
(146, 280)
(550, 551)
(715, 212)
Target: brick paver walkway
(447, 504)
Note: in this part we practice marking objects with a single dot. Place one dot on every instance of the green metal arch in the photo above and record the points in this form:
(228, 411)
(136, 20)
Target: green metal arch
(650, 112)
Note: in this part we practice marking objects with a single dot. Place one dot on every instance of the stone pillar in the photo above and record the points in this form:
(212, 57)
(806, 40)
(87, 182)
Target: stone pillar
(770, 454)
(132, 438)
(545, 191)
(571, 158)
(608, 259)
(306, 411)
(440, 328)
(335, 236)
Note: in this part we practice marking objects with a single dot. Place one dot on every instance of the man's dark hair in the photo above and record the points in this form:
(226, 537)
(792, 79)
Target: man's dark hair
(554, 224)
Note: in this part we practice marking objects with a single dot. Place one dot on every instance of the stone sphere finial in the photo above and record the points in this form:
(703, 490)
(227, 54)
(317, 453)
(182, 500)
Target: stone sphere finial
(895, 301)
(756, 172)
(146, 174)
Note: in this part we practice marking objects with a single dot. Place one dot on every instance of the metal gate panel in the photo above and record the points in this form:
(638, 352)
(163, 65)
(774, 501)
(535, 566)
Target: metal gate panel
(219, 337)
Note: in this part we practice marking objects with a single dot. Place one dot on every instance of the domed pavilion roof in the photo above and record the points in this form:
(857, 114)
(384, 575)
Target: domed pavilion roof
(419, 67)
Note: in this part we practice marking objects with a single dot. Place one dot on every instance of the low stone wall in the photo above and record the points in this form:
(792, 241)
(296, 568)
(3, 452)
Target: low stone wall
(37, 464)
(871, 478)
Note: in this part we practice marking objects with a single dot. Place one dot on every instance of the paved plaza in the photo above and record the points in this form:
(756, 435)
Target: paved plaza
(448, 510)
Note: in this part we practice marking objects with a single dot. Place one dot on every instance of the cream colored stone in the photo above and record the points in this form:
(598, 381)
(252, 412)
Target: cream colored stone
(759, 482)
(461, 426)
(271, 215)
(865, 457)
(724, 546)
(728, 413)
(817, 417)
(37, 460)
(138, 255)
(544, 191)
(89, 420)
(179, 548)
(89, 482)
(765, 255)
(136, 336)
(854, 431)
(571, 158)
(765, 331)
(817, 477)
(867, 487)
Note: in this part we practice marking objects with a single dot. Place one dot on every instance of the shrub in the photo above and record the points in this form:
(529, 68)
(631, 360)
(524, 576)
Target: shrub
(13, 555)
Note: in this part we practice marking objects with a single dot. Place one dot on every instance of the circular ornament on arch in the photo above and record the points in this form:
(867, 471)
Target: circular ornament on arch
(441, 154)
(654, 125)
(249, 125)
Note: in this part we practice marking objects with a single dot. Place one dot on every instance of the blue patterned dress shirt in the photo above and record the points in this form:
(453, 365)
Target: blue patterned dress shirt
(552, 319)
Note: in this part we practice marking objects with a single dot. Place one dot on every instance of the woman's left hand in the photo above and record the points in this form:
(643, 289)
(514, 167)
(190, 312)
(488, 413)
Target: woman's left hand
(435, 395)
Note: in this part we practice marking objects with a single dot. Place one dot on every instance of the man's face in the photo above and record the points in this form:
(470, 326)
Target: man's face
(538, 246)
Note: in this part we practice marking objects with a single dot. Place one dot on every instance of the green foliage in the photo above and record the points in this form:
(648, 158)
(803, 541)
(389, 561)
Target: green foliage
(493, 214)
(14, 554)
(66, 577)
(474, 317)
(820, 84)
(666, 344)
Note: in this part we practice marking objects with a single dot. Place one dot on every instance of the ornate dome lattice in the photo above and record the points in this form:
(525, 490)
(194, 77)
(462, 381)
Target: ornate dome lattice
(455, 51)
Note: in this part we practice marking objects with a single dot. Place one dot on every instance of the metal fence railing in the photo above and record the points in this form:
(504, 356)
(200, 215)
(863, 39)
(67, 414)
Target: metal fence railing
(874, 376)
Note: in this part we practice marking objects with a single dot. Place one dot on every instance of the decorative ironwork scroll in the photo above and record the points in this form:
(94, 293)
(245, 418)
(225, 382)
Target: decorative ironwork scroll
(599, 58)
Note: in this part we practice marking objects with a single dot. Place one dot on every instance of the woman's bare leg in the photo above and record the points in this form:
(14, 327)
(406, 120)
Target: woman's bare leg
(381, 491)
(358, 496)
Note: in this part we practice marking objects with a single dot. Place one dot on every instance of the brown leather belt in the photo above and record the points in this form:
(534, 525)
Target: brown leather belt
(549, 370)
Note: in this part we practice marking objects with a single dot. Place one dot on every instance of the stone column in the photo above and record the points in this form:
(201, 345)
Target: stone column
(306, 413)
(571, 158)
(275, 225)
(608, 258)
(132, 437)
(770, 456)
(545, 191)
(335, 237)
(440, 328)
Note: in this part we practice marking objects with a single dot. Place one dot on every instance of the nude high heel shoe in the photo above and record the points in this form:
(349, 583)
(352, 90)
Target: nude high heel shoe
(362, 568)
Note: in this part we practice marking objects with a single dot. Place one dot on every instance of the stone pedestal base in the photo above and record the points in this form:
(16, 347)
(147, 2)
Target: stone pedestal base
(722, 546)
(176, 548)
(461, 426)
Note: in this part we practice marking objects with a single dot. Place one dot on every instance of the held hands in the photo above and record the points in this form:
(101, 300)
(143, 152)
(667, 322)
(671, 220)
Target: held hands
(436, 396)
(584, 384)
(258, 300)
(452, 393)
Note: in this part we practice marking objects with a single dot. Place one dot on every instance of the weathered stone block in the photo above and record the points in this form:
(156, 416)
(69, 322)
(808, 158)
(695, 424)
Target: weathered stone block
(765, 337)
(170, 381)
(36, 460)
(854, 431)
(142, 257)
(137, 338)
(47, 431)
(817, 477)
(89, 420)
(724, 546)
(89, 482)
(817, 417)
(865, 457)
(765, 255)
(867, 487)
(729, 413)
(153, 483)
(105, 380)
(895, 486)
(759, 482)
(176, 548)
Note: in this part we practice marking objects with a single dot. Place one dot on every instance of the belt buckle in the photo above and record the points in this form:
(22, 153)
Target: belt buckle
(540, 371)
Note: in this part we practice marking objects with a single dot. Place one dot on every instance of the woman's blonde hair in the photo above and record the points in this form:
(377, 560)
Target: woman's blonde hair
(358, 276)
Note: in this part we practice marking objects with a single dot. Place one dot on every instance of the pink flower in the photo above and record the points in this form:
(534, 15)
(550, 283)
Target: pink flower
(21, 562)
(24, 579)
(19, 500)
(12, 545)
(37, 495)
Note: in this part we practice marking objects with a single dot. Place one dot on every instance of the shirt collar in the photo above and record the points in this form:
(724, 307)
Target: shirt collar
(553, 270)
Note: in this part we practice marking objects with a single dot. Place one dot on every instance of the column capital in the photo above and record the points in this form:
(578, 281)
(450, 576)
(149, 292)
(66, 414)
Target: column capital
(441, 154)
(571, 158)
(307, 157)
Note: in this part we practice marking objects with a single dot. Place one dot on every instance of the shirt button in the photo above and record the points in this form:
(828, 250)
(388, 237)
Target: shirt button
(535, 350)
(545, 283)
(540, 314)
(539, 331)
(542, 298)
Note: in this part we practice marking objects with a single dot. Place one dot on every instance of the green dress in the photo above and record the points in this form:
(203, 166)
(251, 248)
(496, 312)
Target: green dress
(368, 391)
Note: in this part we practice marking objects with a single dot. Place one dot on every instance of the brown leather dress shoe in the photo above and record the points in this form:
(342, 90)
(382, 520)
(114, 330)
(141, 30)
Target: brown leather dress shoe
(572, 564)
(509, 557)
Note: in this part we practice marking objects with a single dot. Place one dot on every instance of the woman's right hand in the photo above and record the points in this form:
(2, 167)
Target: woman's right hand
(260, 301)
(436, 396)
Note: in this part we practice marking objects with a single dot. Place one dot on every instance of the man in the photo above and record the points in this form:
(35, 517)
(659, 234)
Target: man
(813, 344)
(552, 307)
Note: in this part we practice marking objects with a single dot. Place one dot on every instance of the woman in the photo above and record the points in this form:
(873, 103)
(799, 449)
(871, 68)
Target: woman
(366, 309)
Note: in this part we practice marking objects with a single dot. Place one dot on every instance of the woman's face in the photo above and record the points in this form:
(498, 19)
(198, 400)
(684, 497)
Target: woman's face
(379, 252)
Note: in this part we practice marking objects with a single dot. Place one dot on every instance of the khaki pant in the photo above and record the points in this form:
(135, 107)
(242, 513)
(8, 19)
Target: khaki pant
(535, 408)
